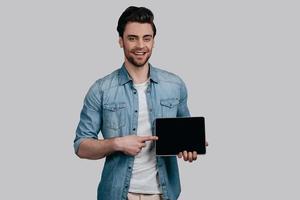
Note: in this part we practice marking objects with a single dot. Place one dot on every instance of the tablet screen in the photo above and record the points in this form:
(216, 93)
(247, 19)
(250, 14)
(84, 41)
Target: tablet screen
(178, 134)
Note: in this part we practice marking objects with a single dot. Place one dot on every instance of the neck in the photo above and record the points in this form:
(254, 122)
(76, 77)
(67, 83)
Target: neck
(138, 74)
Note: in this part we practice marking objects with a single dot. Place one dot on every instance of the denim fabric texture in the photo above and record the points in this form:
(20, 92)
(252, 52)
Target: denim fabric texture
(109, 108)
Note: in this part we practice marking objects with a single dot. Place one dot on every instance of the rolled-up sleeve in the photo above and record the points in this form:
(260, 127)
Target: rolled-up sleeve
(90, 117)
(183, 110)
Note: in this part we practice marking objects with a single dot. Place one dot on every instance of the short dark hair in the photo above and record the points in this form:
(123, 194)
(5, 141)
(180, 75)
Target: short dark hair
(135, 14)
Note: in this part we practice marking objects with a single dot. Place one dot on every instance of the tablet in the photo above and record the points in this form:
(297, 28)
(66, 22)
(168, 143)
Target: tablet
(179, 134)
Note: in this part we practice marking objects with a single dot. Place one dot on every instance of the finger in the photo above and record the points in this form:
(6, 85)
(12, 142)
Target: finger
(135, 152)
(180, 155)
(185, 156)
(194, 155)
(190, 156)
(206, 143)
(145, 138)
(139, 150)
(142, 145)
(148, 138)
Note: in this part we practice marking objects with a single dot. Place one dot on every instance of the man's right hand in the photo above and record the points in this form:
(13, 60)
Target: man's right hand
(132, 144)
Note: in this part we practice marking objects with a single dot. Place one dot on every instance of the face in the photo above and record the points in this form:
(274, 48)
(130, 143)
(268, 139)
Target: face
(137, 43)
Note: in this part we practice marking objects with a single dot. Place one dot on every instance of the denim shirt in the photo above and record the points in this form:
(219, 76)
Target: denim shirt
(111, 106)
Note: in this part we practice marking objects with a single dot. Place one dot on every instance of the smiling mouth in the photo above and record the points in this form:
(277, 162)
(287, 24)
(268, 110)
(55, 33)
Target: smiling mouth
(139, 53)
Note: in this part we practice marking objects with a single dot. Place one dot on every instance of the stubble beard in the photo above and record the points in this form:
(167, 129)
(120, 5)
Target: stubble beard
(134, 62)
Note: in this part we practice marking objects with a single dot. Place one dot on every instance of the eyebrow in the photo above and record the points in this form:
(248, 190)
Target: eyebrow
(136, 36)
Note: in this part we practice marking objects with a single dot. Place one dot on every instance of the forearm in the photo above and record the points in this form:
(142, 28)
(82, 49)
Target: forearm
(96, 149)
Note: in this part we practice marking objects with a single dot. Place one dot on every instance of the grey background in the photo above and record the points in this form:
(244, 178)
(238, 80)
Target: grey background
(240, 62)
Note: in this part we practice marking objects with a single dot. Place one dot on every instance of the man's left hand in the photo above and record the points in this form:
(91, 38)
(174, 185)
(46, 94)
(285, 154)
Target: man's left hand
(189, 156)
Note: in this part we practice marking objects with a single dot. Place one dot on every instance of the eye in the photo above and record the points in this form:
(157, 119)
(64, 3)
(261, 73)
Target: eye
(148, 39)
(131, 38)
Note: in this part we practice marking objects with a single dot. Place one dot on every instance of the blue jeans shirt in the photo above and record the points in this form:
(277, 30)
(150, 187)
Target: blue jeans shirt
(110, 106)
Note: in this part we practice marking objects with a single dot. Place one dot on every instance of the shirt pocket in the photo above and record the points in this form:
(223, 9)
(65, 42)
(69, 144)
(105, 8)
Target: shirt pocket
(169, 107)
(114, 115)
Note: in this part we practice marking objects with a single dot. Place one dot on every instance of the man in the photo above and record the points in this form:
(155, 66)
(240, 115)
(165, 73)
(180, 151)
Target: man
(123, 106)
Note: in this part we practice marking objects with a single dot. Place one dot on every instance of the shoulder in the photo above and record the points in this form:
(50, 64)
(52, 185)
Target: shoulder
(106, 82)
(109, 81)
(165, 76)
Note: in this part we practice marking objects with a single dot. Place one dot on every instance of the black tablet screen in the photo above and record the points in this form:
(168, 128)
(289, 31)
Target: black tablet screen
(178, 134)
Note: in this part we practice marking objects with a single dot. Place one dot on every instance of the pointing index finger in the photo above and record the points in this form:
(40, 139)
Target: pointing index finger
(148, 138)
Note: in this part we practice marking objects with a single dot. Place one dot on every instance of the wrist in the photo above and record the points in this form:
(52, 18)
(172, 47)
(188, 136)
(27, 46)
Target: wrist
(116, 143)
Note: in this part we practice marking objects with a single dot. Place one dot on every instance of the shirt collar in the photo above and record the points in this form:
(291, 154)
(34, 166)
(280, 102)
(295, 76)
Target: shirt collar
(124, 76)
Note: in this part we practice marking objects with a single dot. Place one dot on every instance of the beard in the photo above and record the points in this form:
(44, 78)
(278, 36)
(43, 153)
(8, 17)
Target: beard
(135, 62)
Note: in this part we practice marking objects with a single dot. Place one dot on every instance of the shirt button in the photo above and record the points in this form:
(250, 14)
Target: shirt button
(150, 109)
(136, 111)
(134, 92)
(133, 129)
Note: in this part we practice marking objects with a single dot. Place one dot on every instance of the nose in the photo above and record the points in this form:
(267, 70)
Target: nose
(140, 43)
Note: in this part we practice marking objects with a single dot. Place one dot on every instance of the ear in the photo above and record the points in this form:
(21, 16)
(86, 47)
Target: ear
(121, 42)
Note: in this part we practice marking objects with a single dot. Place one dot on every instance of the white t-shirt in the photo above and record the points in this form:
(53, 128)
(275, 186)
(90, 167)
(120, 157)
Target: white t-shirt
(144, 175)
